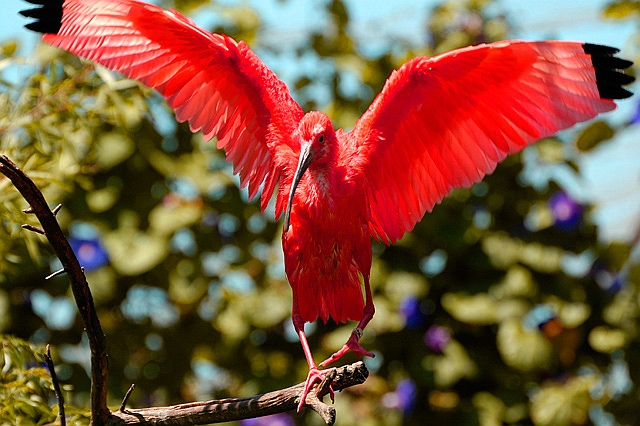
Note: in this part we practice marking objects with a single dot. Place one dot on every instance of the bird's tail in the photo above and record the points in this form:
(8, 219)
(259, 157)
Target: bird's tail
(341, 301)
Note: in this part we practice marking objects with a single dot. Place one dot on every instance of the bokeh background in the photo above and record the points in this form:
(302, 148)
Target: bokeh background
(514, 302)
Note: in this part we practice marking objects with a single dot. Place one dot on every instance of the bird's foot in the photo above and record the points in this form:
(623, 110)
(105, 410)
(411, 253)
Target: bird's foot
(314, 376)
(351, 345)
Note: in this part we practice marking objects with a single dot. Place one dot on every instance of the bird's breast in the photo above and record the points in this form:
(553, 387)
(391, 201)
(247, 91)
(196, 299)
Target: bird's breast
(328, 222)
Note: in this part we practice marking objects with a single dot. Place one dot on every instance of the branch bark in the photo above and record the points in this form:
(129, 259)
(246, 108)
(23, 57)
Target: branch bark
(79, 286)
(231, 409)
(195, 413)
(56, 387)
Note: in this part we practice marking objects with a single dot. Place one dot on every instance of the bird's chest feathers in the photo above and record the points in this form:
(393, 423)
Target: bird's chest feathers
(327, 215)
(317, 196)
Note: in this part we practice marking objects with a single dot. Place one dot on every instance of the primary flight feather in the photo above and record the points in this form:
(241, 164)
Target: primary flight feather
(439, 123)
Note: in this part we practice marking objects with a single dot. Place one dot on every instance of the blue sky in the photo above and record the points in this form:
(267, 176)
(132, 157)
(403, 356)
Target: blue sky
(376, 23)
(380, 20)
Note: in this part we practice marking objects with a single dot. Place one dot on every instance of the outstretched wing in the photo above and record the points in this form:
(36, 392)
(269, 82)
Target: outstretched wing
(218, 85)
(445, 122)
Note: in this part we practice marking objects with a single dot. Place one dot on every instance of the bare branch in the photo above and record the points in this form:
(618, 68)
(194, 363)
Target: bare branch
(33, 229)
(225, 410)
(55, 274)
(56, 386)
(123, 406)
(79, 286)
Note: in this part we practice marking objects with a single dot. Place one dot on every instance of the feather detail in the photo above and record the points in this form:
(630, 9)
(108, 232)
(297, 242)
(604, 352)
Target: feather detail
(447, 121)
(216, 84)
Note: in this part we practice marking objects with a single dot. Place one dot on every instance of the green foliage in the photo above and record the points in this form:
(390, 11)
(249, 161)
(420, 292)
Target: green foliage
(494, 308)
(26, 391)
(26, 384)
(596, 132)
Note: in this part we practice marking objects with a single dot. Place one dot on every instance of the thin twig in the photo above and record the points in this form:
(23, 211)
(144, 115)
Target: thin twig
(55, 274)
(56, 386)
(123, 406)
(33, 229)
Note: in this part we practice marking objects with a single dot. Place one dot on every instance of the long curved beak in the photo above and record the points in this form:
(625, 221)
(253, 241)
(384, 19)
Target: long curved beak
(306, 157)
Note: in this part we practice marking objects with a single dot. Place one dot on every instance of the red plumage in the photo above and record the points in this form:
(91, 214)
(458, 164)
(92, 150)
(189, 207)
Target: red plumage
(439, 123)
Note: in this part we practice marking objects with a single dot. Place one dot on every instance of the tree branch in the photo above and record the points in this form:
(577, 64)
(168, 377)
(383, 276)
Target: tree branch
(56, 386)
(231, 409)
(79, 286)
(195, 413)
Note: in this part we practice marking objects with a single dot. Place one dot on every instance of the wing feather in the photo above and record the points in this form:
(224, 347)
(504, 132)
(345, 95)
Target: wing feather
(216, 84)
(445, 122)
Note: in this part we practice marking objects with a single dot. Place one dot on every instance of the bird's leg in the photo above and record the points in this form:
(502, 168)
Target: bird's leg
(314, 376)
(353, 342)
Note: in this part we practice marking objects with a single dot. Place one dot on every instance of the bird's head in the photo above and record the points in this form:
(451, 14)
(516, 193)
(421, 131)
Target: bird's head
(318, 148)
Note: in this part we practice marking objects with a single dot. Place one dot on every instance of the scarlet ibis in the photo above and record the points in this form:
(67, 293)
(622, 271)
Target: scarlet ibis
(439, 123)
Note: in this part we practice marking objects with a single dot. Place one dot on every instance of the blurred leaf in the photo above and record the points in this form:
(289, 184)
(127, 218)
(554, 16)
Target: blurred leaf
(490, 408)
(504, 251)
(551, 150)
(112, 149)
(167, 220)
(482, 308)
(525, 350)
(593, 134)
(622, 9)
(132, 252)
(517, 282)
(623, 310)
(101, 200)
(403, 284)
(185, 291)
(479, 309)
(450, 367)
(9, 48)
(562, 404)
(607, 340)
(573, 315)
(186, 6)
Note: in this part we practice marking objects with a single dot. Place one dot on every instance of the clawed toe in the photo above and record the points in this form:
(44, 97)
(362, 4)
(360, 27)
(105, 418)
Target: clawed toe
(314, 376)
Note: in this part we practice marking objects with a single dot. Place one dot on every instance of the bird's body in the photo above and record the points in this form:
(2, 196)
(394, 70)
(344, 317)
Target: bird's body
(328, 246)
(439, 123)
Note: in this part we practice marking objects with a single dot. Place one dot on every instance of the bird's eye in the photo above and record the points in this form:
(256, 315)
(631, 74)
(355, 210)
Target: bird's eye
(321, 139)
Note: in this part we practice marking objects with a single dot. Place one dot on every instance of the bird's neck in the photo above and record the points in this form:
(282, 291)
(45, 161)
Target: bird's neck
(317, 187)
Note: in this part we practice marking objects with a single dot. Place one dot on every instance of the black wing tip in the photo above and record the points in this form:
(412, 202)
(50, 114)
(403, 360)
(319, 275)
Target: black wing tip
(610, 75)
(48, 17)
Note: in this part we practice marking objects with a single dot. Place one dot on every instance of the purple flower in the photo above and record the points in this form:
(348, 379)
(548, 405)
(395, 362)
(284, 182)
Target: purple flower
(85, 243)
(437, 338)
(280, 419)
(410, 311)
(403, 398)
(565, 210)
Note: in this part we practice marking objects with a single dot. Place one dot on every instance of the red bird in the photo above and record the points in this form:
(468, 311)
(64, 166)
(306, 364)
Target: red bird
(439, 123)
